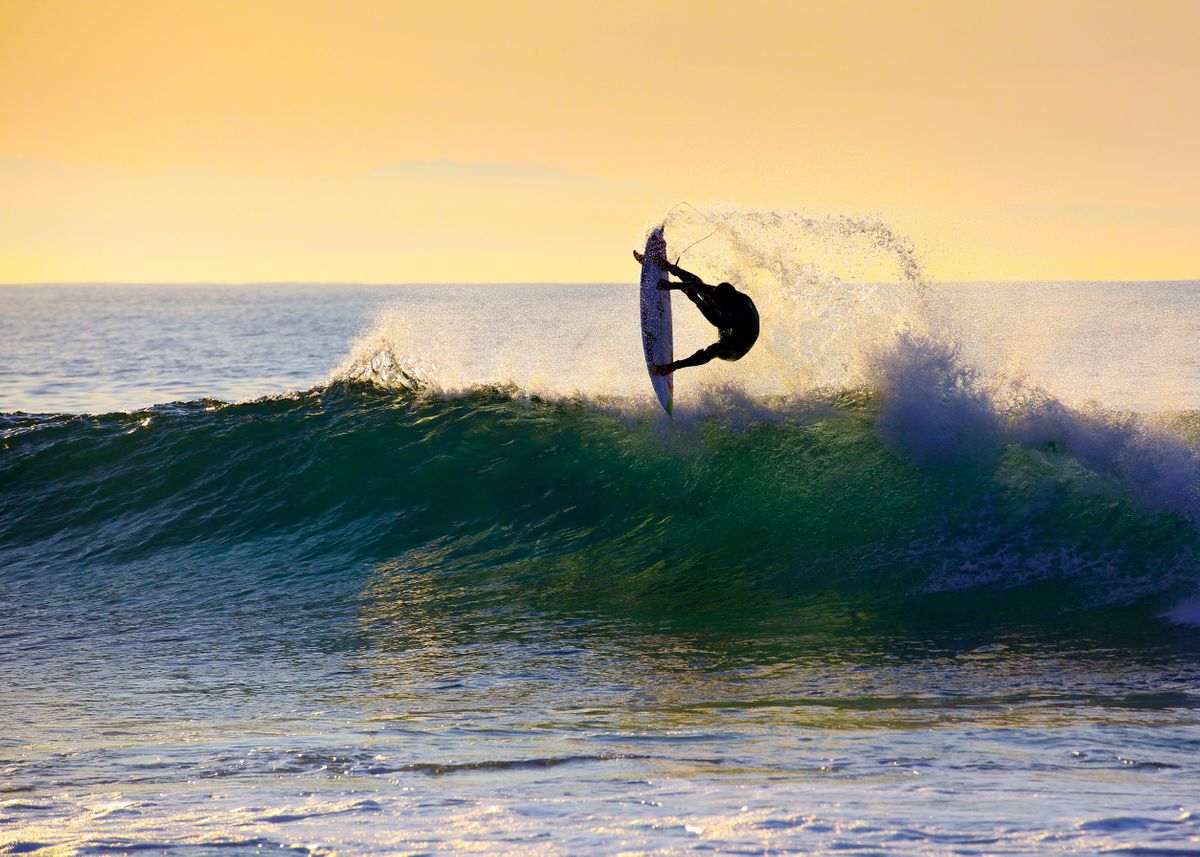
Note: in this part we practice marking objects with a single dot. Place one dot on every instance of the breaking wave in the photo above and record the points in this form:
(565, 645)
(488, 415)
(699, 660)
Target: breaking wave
(855, 468)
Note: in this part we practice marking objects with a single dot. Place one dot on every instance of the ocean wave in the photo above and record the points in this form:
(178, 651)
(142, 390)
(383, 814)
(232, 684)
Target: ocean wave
(498, 497)
(853, 460)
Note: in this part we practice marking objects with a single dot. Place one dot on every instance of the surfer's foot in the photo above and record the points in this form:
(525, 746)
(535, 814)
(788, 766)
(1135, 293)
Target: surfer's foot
(656, 369)
(637, 257)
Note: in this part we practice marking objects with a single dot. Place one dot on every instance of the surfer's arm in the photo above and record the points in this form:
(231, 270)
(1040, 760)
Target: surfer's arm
(686, 276)
(691, 283)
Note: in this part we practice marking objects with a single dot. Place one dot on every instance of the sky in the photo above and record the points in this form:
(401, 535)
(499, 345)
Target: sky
(393, 142)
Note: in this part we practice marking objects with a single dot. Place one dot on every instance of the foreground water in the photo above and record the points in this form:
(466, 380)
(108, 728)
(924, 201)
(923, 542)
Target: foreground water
(460, 600)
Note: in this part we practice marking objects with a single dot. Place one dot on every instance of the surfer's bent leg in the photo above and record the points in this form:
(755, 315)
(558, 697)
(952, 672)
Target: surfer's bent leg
(701, 357)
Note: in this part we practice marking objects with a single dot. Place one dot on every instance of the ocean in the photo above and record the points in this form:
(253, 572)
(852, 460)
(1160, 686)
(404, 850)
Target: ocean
(425, 570)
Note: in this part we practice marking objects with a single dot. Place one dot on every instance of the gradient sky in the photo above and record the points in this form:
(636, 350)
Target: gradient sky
(408, 142)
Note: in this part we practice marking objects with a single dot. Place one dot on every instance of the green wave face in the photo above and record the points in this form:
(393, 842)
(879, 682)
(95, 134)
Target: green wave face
(808, 526)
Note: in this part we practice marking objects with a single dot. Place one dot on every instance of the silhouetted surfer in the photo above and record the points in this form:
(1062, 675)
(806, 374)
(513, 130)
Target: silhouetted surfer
(731, 312)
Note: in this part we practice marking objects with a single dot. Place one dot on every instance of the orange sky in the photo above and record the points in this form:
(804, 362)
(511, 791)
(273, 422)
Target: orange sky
(404, 142)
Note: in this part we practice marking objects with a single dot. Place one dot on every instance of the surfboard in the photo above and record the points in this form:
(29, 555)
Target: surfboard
(656, 318)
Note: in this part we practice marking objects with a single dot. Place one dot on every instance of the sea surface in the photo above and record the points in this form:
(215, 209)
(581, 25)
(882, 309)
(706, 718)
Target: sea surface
(425, 570)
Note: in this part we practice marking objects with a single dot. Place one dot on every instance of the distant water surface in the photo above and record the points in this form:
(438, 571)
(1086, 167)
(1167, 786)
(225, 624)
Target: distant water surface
(96, 348)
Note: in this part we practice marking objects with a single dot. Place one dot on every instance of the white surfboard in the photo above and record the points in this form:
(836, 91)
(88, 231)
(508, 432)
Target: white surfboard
(656, 318)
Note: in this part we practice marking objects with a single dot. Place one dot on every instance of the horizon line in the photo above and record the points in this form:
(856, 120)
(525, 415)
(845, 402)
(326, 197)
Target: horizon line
(398, 284)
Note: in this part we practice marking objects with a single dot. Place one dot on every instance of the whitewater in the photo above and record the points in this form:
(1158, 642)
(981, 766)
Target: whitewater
(425, 569)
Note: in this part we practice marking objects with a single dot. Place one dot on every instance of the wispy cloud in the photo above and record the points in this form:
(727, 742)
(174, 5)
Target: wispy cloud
(443, 169)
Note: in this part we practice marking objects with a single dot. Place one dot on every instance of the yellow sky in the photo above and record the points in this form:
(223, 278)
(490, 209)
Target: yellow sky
(415, 141)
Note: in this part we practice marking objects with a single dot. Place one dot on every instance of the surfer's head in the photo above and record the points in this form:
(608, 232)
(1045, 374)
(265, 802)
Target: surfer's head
(725, 289)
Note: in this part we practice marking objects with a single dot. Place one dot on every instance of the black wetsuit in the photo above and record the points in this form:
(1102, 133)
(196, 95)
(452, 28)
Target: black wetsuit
(731, 312)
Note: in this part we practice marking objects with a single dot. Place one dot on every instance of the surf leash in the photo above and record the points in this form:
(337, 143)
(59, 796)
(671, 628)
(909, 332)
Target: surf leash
(698, 240)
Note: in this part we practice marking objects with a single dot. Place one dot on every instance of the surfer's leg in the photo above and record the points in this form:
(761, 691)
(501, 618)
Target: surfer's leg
(698, 359)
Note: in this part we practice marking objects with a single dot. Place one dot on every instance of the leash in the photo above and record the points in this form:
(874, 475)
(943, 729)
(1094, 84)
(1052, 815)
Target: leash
(698, 240)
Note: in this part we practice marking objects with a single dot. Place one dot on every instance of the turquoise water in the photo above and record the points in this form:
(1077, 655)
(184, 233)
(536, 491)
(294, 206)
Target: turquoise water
(424, 570)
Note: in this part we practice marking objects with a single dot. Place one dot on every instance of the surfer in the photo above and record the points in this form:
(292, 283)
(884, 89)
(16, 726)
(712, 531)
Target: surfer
(731, 312)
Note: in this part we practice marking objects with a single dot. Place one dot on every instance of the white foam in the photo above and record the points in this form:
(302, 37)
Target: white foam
(1185, 613)
(824, 329)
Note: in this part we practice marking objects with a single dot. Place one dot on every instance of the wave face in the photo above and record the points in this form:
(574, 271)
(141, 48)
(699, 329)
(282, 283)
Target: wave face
(862, 451)
(861, 467)
(493, 501)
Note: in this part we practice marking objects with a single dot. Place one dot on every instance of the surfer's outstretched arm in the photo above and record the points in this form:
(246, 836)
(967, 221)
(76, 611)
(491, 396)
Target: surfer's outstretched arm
(691, 283)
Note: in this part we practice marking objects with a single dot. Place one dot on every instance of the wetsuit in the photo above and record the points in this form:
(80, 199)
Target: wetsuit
(731, 312)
